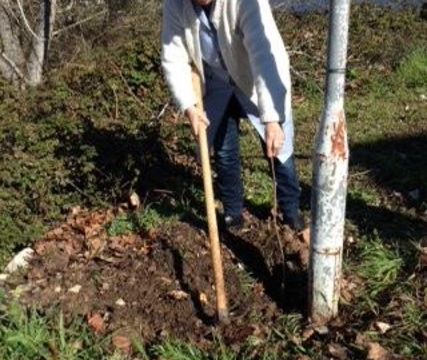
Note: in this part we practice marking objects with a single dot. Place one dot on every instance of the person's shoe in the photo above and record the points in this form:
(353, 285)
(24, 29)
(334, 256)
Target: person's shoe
(296, 223)
(233, 222)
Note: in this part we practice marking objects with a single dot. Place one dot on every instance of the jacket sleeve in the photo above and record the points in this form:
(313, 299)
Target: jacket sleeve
(175, 59)
(267, 56)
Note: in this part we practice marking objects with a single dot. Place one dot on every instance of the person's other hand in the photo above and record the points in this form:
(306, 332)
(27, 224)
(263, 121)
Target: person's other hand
(274, 138)
(197, 118)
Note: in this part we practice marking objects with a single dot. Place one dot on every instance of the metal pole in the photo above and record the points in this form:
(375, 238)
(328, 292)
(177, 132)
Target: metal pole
(330, 168)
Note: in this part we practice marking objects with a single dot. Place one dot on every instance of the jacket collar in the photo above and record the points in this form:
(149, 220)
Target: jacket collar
(216, 11)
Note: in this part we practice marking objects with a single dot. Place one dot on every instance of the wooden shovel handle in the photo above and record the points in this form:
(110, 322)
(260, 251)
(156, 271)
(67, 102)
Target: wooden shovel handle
(221, 299)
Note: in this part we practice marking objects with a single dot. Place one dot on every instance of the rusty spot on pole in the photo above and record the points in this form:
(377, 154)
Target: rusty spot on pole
(338, 138)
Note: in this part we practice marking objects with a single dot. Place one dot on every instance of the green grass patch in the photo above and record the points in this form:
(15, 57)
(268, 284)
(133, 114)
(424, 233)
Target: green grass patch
(380, 266)
(176, 350)
(134, 222)
(413, 69)
(26, 334)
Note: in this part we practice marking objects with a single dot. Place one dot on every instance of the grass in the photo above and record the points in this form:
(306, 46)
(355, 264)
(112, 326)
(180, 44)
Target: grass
(246, 279)
(135, 222)
(413, 70)
(30, 335)
(53, 155)
(176, 350)
(380, 266)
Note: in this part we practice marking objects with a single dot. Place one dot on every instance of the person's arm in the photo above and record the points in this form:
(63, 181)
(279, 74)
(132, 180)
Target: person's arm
(269, 65)
(175, 58)
(268, 57)
(176, 64)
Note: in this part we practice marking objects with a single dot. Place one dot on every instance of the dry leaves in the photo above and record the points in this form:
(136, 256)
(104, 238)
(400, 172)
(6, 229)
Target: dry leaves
(122, 343)
(360, 339)
(178, 294)
(85, 233)
(134, 201)
(75, 289)
(82, 230)
(93, 224)
(120, 302)
(422, 260)
(382, 327)
(304, 236)
(203, 298)
(376, 352)
(307, 333)
(337, 351)
(348, 288)
(96, 322)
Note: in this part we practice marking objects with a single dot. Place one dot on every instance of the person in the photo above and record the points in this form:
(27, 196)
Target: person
(237, 49)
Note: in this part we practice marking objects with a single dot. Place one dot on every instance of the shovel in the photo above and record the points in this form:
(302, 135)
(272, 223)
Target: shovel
(221, 300)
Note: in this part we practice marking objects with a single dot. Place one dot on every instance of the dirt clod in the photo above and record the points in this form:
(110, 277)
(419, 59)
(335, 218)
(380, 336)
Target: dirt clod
(165, 285)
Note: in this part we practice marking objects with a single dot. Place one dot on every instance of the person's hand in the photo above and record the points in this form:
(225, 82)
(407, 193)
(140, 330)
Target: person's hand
(197, 118)
(274, 138)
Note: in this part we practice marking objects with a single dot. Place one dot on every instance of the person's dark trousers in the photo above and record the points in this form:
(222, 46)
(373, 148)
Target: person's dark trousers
(288, 190)
(227, 161)
(287, 187)
(227, 166)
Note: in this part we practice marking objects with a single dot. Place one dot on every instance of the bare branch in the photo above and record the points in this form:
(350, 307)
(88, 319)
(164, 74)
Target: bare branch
(8, 6)
(162, 112)
(27, 24)
(79, 22)
(67, 8)
(52, 18)
(129, 90)
(13, 66)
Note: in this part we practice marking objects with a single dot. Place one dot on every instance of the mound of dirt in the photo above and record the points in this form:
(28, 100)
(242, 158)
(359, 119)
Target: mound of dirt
(160, 283)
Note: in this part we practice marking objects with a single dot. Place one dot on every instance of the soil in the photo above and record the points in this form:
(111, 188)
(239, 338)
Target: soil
(160, 283)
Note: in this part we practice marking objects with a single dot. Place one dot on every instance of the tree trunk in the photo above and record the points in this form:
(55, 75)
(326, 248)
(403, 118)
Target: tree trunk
(40, 43)
(12, 57)
(14, 25)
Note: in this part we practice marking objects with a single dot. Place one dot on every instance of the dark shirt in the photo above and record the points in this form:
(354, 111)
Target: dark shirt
(207, 9)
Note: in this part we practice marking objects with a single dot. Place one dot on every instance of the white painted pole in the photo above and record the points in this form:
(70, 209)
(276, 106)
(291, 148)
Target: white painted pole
(330, 169)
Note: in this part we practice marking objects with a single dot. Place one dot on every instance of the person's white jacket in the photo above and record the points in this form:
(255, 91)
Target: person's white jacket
(251, 46)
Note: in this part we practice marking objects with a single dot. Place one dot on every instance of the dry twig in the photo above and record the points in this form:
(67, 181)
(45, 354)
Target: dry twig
(13, 66)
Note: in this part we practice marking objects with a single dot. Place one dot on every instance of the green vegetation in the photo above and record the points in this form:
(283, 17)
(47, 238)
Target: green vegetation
(413, 69)
(93, 133)
(134, 222)
(379, 266)
(29, 335)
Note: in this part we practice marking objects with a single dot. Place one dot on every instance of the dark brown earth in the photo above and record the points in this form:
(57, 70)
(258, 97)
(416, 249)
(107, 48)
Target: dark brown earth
(160, 283)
